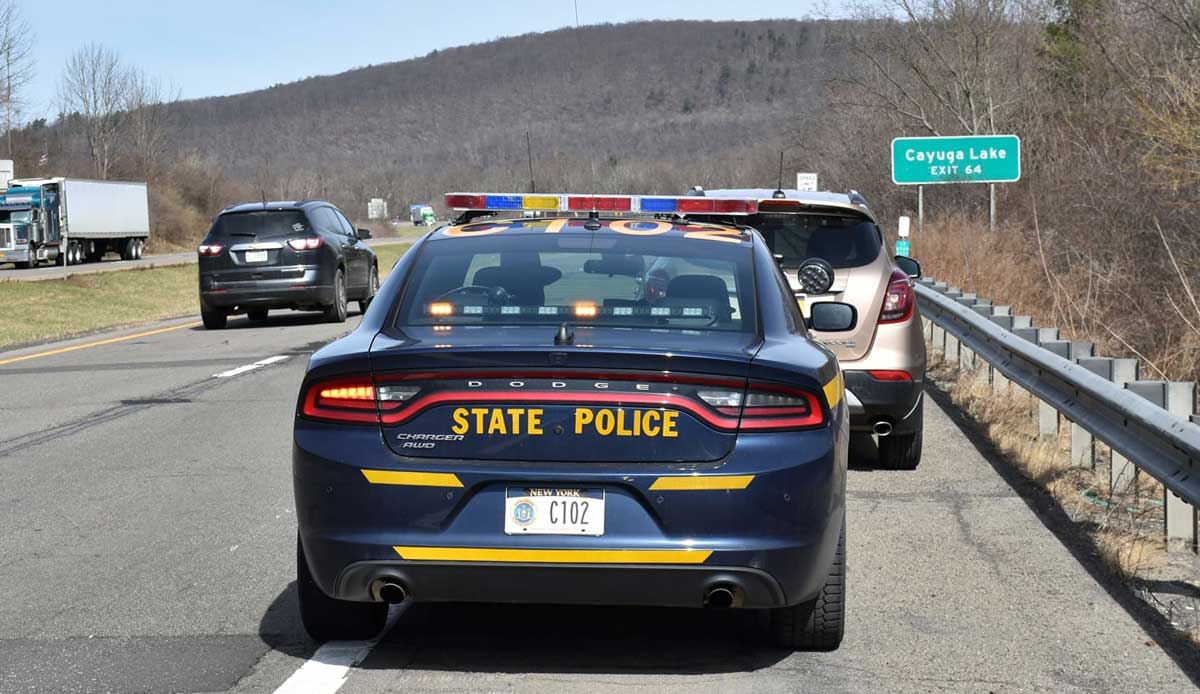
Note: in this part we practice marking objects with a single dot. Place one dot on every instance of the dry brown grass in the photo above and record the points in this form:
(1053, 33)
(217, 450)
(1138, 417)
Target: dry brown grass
(1101, 300)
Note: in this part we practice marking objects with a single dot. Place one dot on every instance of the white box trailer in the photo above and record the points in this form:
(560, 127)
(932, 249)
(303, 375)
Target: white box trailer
(72, 220)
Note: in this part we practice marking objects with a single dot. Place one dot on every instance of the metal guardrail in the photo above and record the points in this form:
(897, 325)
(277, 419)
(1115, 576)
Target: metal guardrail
(1161, 442)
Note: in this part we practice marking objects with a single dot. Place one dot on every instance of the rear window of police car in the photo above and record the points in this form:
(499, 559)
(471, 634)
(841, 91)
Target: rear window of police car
(613, 281)
(841, 241)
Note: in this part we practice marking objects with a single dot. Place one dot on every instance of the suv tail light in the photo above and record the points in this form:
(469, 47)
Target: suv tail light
(210, 250)
(899, 300)
(354, 399)
(307, 243)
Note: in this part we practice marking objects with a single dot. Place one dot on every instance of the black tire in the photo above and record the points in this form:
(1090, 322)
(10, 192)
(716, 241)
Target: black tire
(257, 315)
(329, 619)
(902, 451)
(213, 319)
(127, 249)
(819, 624)
(26, 264)
(336, 312)
(372, 287)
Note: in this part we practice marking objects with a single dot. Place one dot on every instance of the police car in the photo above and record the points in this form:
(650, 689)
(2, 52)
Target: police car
(521, 418)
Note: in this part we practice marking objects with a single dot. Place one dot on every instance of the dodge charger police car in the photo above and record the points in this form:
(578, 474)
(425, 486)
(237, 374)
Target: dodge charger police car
(519, 418)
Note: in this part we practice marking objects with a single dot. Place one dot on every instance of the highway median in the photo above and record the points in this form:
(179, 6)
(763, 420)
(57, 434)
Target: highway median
(39, 312)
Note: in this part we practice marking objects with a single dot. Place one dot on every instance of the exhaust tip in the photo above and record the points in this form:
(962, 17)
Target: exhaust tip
(721, 597)
(389, 591)
(881, 427)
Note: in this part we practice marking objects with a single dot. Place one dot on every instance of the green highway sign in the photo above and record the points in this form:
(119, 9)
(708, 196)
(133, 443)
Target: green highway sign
(918, 161)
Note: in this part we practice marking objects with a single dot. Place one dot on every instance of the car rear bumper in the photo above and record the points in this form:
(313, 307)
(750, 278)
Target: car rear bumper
(772, 541)
(871, 400)
(304, 287)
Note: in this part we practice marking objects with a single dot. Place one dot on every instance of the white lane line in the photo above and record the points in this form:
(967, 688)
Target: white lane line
(250, 367)
(326, 671)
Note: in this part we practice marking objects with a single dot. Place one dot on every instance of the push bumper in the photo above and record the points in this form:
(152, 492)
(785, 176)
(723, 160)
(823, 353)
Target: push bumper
(771, 542)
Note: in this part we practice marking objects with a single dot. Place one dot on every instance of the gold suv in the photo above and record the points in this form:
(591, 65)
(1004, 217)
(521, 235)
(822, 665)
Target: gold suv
(831, 249)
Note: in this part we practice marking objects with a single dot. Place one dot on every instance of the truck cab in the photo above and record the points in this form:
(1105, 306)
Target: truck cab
(29, 224)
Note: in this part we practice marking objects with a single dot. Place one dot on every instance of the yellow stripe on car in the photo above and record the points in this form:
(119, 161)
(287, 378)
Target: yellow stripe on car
(834, 389)
(412, 479)
(555, 556)
(700, 482)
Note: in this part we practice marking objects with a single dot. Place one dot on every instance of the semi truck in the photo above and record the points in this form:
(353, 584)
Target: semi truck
(422, 215)
(72, 220)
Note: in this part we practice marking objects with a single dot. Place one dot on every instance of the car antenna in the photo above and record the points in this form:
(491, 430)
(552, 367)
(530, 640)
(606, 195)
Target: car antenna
(263, 193)
(565, 335)
(778, 194)
(529, 153)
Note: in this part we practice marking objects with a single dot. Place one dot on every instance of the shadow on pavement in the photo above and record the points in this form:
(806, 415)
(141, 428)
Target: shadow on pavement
(1081, 546)
(574, 639)
(280, 627)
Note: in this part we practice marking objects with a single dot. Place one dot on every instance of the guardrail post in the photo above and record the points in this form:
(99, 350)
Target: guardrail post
(1120, 469)
(1047, 413)
(998, 379)
(1155, 392)
(1083, 449)
(1180, 516)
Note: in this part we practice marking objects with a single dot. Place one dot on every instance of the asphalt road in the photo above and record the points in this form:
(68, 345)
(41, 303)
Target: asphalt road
(9, 272)
(147, 533)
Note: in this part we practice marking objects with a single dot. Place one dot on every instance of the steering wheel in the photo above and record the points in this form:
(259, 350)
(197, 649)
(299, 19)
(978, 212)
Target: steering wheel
(495, 296)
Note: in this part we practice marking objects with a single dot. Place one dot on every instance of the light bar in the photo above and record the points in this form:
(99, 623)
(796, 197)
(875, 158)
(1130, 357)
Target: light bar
(576, 202)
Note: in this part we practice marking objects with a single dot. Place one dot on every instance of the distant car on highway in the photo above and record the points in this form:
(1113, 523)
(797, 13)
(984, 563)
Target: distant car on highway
(830, 247)
(302, 255)
(514, 421)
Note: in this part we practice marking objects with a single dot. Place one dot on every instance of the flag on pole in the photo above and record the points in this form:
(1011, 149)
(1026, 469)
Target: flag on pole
(45, 158)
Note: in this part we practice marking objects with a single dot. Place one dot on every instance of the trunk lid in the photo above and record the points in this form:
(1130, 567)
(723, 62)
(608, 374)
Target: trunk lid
(510, 394)
(864, 288)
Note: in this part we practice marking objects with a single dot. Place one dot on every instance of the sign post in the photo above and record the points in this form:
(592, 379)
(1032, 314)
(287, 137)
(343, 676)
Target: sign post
(922, 161)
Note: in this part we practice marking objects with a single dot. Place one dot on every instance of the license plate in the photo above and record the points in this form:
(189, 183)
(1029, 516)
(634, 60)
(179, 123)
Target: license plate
(553, 511)
(256, 256)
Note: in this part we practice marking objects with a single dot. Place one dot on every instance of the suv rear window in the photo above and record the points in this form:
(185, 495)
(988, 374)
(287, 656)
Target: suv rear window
(841, 241)
(614, 281)
(260, 224)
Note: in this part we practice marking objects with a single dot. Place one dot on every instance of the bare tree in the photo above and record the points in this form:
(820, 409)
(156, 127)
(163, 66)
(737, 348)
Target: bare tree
(94, 85)
(147, 104)
(16, 65)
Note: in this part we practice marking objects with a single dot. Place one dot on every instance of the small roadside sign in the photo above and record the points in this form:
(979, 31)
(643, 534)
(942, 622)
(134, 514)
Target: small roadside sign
(920, 161)
(806, 181)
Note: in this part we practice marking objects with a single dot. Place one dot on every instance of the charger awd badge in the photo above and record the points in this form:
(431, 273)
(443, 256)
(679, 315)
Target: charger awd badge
(425, 441)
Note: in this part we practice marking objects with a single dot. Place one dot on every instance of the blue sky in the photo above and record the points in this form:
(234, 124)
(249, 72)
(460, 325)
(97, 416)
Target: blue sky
(223, 47)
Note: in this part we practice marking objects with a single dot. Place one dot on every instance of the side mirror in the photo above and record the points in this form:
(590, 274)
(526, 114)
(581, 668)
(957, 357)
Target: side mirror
(832, 317)
(363, 233)
(908, 266)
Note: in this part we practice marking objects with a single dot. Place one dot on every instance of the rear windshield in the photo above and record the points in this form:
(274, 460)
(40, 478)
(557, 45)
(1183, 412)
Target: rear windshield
(840, 241)
(260, 224)
(614, 281)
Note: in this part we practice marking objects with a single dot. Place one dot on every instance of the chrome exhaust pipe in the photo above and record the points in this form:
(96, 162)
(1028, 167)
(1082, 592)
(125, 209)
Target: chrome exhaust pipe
(882, 427)
(719, 597)
(388, 590)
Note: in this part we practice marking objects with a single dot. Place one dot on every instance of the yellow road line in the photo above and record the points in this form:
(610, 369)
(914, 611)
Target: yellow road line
(556, 556)
(412, 479)
(97, 343)
(700, 482)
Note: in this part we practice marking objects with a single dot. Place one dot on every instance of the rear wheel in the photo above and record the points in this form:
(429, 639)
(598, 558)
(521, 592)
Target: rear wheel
(336, 312)
(902, 451)
(127, 249)
(372, 287)
(329, 619)
(258, 315)
(819, 624)
(139, 246)
(213, 319)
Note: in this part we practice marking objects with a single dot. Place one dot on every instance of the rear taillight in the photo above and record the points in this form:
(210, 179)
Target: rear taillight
(307, 243)
(210, 250)
(899, 300)
(353, 399)
(770, 407)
